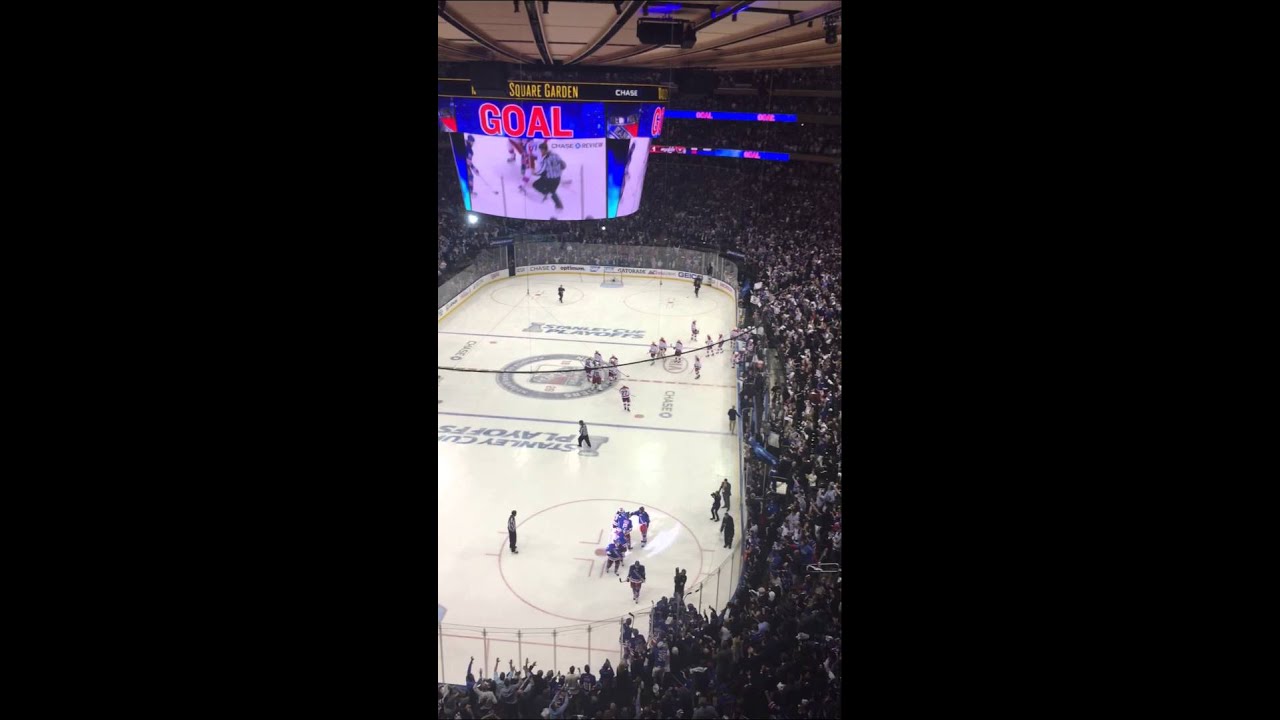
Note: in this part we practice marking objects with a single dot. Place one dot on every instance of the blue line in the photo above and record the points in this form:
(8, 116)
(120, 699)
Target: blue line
(585, 338)
(575, 424)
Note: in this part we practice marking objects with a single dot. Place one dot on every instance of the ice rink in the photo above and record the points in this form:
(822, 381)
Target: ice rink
(509, 442)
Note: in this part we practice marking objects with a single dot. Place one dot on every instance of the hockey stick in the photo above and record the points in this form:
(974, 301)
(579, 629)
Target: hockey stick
(476, 172)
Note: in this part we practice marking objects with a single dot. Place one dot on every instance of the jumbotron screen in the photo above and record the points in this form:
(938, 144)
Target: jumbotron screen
(579, 154)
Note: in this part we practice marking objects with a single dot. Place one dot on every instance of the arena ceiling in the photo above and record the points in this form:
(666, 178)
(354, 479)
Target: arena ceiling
(731, 35)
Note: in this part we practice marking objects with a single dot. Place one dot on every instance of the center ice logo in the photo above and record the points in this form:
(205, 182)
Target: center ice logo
(533, 439)
(559, 377)
(547, 328)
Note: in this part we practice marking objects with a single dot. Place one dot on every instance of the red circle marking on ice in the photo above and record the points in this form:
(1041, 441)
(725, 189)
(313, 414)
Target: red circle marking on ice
(502, 550)
(639, 416)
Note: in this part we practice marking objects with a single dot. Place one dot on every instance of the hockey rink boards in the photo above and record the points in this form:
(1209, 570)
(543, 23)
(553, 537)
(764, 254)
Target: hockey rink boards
(510, 442)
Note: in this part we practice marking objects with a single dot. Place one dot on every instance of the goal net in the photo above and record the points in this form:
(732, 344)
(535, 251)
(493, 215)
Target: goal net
(613, 280)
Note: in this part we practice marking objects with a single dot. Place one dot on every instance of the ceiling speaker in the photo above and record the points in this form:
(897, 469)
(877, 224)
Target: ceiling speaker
(660, 32)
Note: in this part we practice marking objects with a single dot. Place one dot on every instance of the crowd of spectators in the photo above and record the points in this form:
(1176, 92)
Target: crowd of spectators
(743, 204)
(580, 73)
(762, 81)
(795, 104)
(813, 78)
(774, 651)
(776, 137)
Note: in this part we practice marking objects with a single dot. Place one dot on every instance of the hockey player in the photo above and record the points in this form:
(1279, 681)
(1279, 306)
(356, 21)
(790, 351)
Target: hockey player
(561, 291)
(697, 285)
(595, 379)
(613, 360)
(679, 348)
(653, 353)
(626, 398)
(710, 347)
(643, 517)
(599, 360)
(471, 166)
(523, 147)
(697, 368)
(662, 347)
(636, 577)
(693, 331)
(720, 343)
(613, 373)
(613, 558)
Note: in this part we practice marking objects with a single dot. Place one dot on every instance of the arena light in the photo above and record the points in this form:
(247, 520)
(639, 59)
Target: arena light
(472, 218)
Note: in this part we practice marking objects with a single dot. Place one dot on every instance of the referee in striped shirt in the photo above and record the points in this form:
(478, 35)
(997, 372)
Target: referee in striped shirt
(511, 531)
(550, 166)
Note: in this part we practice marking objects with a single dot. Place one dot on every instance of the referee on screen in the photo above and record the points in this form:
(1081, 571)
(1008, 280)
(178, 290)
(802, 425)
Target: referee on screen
(550, 166)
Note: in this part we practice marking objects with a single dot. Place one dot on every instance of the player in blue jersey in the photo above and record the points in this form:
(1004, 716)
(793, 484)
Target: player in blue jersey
(643, 517)
(613, 558)
(636, 577)
(471, 166)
